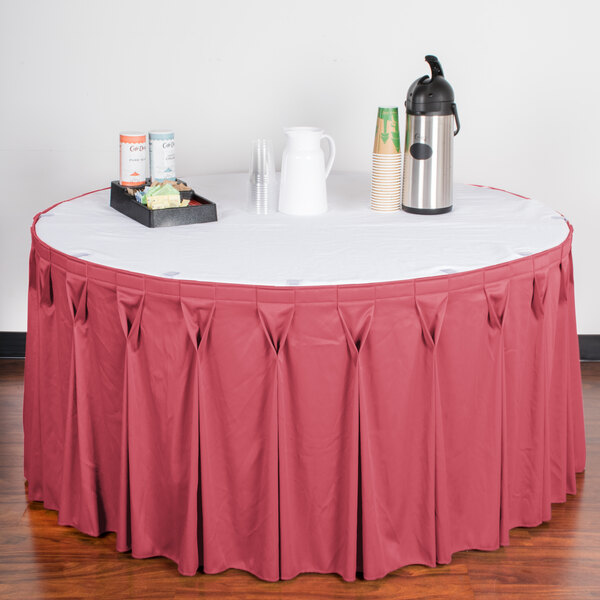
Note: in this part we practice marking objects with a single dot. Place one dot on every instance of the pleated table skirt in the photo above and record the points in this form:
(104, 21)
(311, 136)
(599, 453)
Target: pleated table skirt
(335, 429)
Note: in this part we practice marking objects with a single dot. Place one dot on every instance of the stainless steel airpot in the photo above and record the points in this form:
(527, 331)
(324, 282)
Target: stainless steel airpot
(430, 117)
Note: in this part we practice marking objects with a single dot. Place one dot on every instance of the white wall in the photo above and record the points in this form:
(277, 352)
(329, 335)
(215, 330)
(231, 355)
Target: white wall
(75, 73)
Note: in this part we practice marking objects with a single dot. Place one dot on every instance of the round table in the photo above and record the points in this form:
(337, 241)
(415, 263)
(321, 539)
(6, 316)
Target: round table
(350, 392)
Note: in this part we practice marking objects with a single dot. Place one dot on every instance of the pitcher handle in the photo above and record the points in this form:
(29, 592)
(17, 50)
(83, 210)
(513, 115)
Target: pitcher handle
(331, 154)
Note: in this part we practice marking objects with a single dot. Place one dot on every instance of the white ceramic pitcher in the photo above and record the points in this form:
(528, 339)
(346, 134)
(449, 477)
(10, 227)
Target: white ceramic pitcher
(303, 171)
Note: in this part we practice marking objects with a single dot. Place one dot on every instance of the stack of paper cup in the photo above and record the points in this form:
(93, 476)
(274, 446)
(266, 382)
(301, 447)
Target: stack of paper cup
(386, 175)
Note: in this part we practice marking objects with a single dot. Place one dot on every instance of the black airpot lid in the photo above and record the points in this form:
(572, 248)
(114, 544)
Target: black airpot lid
(430, 95)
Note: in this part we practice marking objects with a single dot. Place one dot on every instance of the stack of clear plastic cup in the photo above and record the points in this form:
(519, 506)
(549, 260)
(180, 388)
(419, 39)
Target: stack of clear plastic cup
(262, 186)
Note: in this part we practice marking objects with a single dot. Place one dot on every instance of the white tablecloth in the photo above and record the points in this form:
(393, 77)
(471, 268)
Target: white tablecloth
(348, 244)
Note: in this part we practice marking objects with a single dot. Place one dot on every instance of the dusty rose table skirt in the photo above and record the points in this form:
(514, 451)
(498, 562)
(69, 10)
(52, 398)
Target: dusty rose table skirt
(284, 430)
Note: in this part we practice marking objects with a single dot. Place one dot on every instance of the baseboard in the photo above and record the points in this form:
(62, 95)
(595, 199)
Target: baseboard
(12, 345)
(589, 347)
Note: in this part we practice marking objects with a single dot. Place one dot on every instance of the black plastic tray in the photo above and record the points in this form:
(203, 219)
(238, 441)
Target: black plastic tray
(200, 210)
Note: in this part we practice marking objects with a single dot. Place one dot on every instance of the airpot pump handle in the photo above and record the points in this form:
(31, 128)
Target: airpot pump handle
(434, 64)
(455, 113)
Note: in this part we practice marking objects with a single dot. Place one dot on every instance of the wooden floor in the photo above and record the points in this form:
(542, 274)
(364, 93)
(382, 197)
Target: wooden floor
(39, 559)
